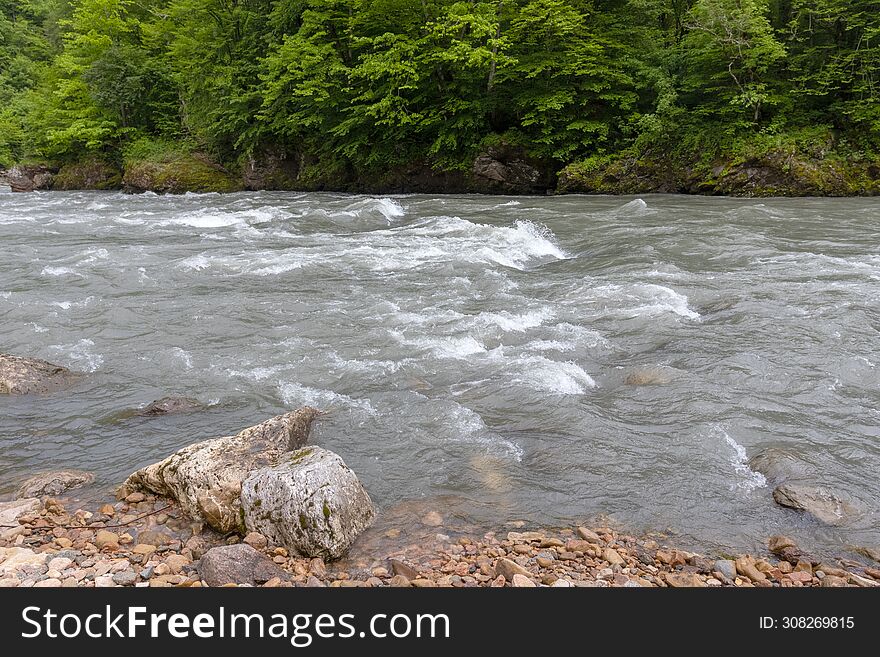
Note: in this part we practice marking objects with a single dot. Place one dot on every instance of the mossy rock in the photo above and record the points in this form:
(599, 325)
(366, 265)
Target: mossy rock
(179, 173)
(87, 174)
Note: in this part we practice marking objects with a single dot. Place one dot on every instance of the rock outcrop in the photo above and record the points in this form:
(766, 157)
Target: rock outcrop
(87, 174)
(237, 564)
(170, 405)
(311, 503)
(823, 504)
(206, 477)
(50, 484)
(508, 170)
(23, 376)
(177, 173)
(28, 177)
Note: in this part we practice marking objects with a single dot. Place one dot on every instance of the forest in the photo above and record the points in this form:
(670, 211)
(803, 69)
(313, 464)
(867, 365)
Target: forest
(595, 95)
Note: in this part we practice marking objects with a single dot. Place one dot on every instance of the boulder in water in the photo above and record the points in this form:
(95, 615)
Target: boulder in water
(170, 405)
(23, 376)
(778, 466)
(649, 376)
(311, 503)
(821, 503)
(50, 484)
(205, 478)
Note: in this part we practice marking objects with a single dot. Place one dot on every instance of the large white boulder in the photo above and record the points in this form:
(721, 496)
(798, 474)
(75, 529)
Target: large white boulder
(310, 502)
(205, 478)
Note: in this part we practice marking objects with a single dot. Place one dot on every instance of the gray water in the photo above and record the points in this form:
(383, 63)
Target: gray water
(469, 349)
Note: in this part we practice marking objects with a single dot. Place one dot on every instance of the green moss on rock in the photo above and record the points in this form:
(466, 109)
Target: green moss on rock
(88, 174)
(177, 173)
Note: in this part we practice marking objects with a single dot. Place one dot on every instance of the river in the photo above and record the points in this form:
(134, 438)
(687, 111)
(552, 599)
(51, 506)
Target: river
(483, 351)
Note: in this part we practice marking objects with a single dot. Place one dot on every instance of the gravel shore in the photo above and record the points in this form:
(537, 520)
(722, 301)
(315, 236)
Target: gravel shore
(143, 541)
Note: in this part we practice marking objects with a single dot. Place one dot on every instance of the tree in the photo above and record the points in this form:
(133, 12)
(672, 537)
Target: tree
(730, 50)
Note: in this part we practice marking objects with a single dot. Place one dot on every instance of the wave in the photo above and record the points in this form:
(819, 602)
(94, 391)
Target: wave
(80, 355)
(636, 207)
(364, 210)
(517, 323)
(740, 462)
(295, 395)
(643, 300)
(467, 426)
(58, 271)
(447, 346)
(560, 378)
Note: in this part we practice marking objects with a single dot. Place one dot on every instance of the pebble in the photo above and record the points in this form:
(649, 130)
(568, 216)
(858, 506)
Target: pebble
(176, 562)
(60, 563)
(578, 557)
(104, 581)
(47, 583)
(588, 535)
(684, 580)
(125, 578)
(521, 581)
(256, 540)
(613, 557)
(726, 567)
(105, 539)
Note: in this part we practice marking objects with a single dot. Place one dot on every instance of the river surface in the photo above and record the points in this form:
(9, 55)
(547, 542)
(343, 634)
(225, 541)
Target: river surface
(474, 350)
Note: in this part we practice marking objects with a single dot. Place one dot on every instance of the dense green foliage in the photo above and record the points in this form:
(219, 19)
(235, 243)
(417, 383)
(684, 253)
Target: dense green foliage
(373, 84)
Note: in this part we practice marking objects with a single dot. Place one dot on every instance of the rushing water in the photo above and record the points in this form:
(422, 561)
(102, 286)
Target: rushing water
(474, 348)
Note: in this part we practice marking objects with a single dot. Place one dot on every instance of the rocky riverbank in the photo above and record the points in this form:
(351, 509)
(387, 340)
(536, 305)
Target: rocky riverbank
(757, 171)
(142, 540)
(263, 507)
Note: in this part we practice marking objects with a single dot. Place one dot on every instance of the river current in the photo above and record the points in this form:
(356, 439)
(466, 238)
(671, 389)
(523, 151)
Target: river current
(550, 359)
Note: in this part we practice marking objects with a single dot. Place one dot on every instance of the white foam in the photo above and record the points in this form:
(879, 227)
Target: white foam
(515, 246)
(365, 365)
(517, 323)
(58, 271)
(560, 378)
(581, 335)
(64, 305)
(208, 220)
(389, 208)
(740, 462)
(363, 209)
(467, 426)
(81, 354)
(550, 345)
(196, 262)
(644, 300)
(184, 356)
(288, 264)
(449, 346)
(296, 394)
(92, 255)
(258, 373)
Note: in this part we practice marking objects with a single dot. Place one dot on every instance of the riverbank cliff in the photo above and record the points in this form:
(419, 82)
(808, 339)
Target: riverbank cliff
(785, 169)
